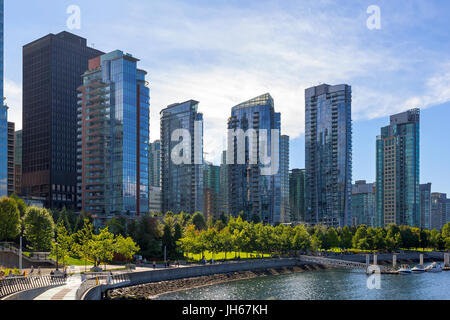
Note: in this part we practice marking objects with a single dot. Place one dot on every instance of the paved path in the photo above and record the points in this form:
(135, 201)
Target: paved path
(66, 292)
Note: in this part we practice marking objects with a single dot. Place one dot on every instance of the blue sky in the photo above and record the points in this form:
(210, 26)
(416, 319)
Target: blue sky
(223, 52)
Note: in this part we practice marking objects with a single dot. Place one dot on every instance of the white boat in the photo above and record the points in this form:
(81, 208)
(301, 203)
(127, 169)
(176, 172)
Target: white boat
(418, 269)
(434, 267)
(405, 270)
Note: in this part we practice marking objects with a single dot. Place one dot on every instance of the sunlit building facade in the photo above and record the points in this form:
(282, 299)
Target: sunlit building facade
(398, 171)
(425, 205)
(182, 182)
(297, 195)
(328, 155)
(363, 204)
(114, 131)
(255, 195)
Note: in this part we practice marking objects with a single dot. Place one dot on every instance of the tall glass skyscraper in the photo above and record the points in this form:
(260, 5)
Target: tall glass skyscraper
(3, 120)
(52, 69)
(425, 205)
(363, 204)
(155, 164)
(398, 171)
(182, 182)
(114, 132)
(285, 215)
(439, 203)
(328, 156)
(211, 190)
(250, 192)
(297, 194)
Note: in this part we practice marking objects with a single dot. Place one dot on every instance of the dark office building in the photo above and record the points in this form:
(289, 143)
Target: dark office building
(52, 69)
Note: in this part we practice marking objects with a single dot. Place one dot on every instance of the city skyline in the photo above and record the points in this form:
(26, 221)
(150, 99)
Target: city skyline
(417, 80)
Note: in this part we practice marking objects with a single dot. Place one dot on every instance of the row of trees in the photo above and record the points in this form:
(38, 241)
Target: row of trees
(185, 233)
(242, 236)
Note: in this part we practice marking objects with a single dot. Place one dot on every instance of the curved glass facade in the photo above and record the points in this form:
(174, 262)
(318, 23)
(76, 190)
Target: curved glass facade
(182, 184)
(252, 193)
(328, 156)
(115, 117)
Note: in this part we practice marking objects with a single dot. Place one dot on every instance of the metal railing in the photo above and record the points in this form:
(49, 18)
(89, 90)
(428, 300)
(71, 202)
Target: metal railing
(13, 285)
(92, 280)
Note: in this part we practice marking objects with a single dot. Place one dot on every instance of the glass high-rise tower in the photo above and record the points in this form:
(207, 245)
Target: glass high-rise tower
(363, 204)
(114, 132)
(398, 171)
(425, 205)
(155, 164)
(297, 195)
(182, 181)
(285, 214)
(251, 192)
(328, 156)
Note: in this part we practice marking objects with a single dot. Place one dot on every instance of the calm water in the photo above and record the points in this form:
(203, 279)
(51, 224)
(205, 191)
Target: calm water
(325, 285)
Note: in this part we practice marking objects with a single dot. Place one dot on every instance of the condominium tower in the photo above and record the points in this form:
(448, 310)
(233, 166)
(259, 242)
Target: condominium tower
(253, 192)
(182, 158)
(425, 205)
(398, 171)
(297, 195)
(328, 156)
(113, 154)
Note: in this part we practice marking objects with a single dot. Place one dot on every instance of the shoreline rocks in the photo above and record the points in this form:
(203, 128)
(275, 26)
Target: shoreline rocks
(152, 291)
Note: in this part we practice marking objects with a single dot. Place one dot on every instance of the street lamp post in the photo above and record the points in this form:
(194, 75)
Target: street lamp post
(20, 255)
(57, 264)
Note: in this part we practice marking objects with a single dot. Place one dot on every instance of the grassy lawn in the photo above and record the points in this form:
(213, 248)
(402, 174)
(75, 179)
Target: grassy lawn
(221, 256)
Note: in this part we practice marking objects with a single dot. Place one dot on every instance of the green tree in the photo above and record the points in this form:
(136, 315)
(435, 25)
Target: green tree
(435, 239)
(39, 229)
(117, 226)
(360, 238)
(346, 238)
(102, 247)
(126, 247)
(198, 220)
(20, 204)
(82, 239)
(168, 240)
(9, 219)
(302, 239)
(64, 243)
(332, 238)
(446, 230)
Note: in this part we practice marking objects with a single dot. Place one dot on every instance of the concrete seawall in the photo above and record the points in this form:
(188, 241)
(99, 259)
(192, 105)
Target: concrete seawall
(139, 278)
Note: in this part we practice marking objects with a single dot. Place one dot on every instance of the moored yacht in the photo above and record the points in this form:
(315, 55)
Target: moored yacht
(418, 269)
(405, 270)
(434, 267)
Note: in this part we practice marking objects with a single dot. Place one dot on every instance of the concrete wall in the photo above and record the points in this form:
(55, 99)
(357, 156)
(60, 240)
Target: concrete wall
(192, 272)
(10, 260)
